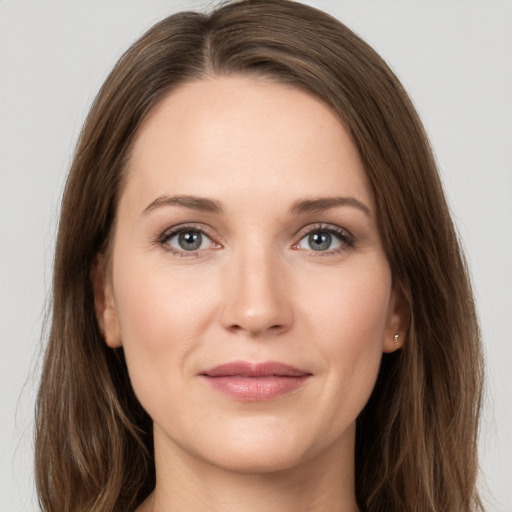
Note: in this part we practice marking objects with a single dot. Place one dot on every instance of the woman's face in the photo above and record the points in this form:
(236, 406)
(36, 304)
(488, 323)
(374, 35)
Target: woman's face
(249, 287)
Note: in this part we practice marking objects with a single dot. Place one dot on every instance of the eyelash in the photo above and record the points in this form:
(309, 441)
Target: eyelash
(346, 239)
(164, 238)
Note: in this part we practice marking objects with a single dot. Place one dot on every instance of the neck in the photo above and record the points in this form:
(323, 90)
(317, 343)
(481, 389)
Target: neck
(323, 483)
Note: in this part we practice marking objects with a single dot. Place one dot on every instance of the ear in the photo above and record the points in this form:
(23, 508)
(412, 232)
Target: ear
(104, 304)
(398, 320)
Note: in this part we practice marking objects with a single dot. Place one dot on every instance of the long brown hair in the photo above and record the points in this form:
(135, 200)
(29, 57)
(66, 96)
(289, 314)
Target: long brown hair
(416, 438)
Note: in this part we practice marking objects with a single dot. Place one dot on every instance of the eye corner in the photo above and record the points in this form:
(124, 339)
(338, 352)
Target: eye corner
(173, 238)
(340, 237)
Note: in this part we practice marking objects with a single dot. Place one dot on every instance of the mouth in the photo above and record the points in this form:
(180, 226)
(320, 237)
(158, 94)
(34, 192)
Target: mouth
(251, 382)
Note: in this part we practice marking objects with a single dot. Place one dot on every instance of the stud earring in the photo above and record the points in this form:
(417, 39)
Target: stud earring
(397, 343)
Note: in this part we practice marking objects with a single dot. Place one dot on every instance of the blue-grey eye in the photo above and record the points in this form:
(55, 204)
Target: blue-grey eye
(189, 240)
(320, 241)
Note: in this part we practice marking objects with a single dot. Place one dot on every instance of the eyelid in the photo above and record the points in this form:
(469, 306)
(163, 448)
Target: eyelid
(166, 235)
(346, 238)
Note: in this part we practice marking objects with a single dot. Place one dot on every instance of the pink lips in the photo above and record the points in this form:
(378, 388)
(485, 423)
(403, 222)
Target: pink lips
(255, 382)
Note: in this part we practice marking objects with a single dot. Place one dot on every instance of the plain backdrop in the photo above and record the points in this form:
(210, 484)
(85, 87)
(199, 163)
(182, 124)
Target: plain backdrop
(455, 60)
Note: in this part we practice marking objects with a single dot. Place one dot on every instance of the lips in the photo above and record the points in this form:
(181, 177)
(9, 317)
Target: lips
(247, 381)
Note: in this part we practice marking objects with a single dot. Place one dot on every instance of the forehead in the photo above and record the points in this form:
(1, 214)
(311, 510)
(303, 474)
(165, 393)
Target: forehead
(243, 136)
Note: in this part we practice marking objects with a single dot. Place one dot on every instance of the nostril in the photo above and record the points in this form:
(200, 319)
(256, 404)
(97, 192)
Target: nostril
(253, 328)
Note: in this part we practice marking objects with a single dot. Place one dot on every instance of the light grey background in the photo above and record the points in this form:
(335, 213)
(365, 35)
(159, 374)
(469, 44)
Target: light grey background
(454, 58)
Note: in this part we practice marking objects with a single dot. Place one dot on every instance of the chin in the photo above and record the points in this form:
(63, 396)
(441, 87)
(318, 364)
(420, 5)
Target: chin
(251, 459)
(260, 447)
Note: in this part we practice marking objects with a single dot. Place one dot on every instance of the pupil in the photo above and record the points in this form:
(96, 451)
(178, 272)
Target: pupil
(190, 240)
(320, 241)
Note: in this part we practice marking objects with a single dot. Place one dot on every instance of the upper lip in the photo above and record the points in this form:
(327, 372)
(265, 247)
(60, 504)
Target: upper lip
(248, 369)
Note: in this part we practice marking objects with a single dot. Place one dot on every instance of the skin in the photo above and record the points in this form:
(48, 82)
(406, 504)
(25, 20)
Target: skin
(255, 290)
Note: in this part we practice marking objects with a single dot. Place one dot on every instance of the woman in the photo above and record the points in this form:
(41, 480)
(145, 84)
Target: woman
(259, 298)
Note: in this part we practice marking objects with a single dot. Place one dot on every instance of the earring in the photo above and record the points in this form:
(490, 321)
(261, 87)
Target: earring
(397, 343)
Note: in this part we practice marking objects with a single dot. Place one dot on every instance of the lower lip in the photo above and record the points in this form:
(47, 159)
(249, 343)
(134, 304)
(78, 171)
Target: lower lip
(253, 389)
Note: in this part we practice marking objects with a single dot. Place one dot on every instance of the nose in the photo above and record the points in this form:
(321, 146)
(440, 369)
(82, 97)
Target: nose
(257, 295)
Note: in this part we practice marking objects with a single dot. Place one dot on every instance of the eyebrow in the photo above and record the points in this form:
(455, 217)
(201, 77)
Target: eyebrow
(300, 206)
(326, 203)
(193, 202)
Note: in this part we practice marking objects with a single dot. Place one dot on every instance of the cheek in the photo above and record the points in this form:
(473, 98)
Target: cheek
(349, 305)
(347, 321)
(162, 316)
